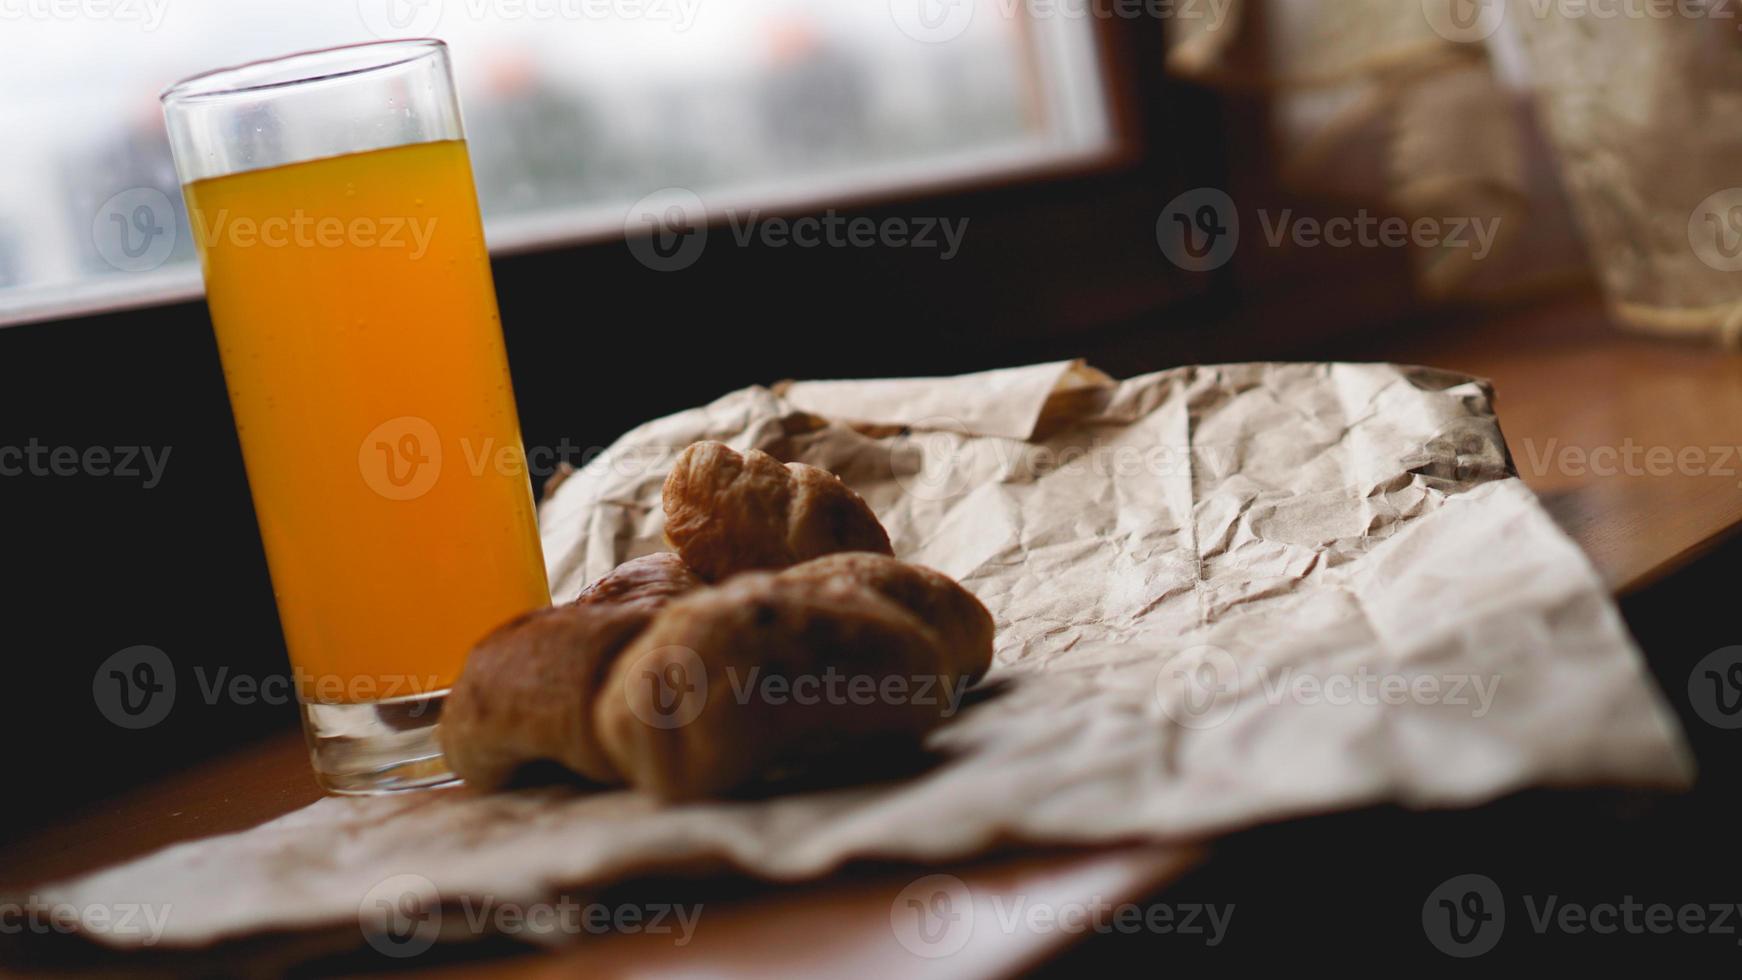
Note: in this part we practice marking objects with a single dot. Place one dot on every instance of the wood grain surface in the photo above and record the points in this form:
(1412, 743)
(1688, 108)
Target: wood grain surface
(1574, 395)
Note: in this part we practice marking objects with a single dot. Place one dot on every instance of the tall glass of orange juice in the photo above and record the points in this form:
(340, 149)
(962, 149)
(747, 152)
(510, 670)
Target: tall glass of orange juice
(331, 198)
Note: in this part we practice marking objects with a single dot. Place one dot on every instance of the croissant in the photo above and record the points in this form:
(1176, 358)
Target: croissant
(527, 691)
(654, 678)
(727, 513)
(729, 682)
(648, 582)
(962, 621)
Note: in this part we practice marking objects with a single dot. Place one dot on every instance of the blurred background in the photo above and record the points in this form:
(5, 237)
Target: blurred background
(1144, 184)
(575, 109)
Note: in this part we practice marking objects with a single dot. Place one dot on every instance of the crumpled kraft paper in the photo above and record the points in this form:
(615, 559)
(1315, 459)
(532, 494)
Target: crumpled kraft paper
(1225, 595)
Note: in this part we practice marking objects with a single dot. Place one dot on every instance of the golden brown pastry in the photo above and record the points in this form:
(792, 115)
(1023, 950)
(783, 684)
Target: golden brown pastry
(684, 690)
(651, 580)
(727, 513)
(527, 691)
(961, 621)
(732, 681)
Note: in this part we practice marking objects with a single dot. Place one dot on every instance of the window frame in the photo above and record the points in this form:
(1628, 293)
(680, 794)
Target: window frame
(1112, 43)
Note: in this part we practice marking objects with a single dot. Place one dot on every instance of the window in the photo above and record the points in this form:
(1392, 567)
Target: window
(575, 110)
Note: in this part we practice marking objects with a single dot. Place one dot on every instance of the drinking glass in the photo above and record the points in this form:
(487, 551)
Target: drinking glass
(332, 202)
(1646, 115)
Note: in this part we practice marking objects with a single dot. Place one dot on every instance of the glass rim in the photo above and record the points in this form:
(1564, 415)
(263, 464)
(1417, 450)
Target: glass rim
(301, 68)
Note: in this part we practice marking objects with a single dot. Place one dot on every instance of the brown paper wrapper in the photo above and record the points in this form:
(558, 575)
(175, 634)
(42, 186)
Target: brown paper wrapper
(1225, 595)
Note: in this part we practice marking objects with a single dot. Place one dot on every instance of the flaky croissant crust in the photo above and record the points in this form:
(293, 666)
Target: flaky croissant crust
(598, 685)
(727, 512)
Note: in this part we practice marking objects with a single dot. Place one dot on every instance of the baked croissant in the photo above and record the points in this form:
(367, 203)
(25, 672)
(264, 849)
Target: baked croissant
(648, 582)
(962, 621)
(727, 513)
(527, 692)
(732, 681)
(654, 678)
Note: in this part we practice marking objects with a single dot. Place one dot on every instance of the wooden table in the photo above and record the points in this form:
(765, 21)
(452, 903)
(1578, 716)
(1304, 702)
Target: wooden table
(1564, 378)
(1567, 382)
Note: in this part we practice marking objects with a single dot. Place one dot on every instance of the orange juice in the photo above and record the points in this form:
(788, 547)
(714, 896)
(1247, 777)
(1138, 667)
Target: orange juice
(356, 319)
